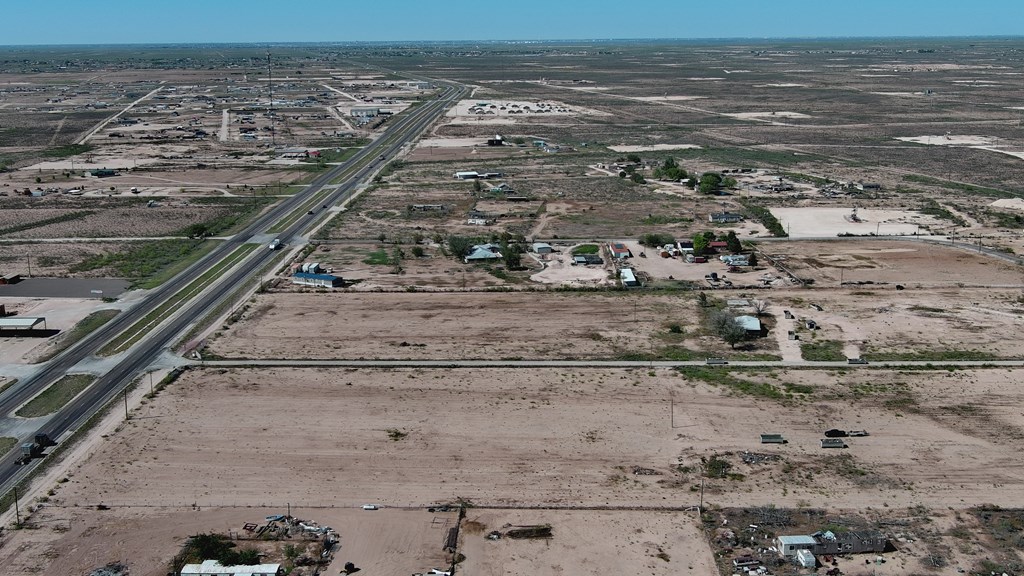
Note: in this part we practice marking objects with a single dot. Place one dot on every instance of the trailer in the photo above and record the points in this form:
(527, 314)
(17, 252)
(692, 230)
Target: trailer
(35, 448)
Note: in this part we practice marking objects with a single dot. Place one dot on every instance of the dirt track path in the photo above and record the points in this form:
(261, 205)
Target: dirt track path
(104, 123)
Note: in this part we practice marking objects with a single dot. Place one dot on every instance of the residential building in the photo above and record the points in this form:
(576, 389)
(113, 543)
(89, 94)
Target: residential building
(215, 568)
(724, 217)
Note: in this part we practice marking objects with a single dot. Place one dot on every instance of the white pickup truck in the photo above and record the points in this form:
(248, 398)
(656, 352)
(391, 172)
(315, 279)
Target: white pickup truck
(276, 244)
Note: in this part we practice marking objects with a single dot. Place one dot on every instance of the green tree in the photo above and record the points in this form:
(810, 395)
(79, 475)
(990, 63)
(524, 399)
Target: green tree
(700, 244)
(669, 170)
(702, 299)
(724, 325)
(709, 183)
(733, 243)
(459, 246)
(634, 158)
(513, 256)
(655, 239)
(417, 251)
(638, 178)
(477, 186)
(753, 259)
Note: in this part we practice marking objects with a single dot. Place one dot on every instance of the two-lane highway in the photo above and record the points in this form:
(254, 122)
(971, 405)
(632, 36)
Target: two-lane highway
(403, 130)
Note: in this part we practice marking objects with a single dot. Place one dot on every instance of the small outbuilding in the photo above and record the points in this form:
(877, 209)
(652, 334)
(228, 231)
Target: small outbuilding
(749, 323)
(542, 248)
(725, 217)
(806, 559)
(788, 546)
(628, 278)
(619, 250)
(467, 175)
(320, 280)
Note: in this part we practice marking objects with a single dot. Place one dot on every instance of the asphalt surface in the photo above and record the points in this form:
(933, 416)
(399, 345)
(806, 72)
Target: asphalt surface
(65, 288)
(403, 130)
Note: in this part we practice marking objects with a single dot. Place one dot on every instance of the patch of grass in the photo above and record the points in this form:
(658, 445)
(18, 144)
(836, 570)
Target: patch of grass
(823, 351)
(656, 219)
(377, 258)
(933, 208)
(56, 396)
(7, 443)
(936, 356)
(171, 270)
(586, 249)
(84, 327)
(148, 264)
(766, 217)
(240, 212)
(142, 327)
(78, 214)
(720, 377)
(67, 151)
(968, 188)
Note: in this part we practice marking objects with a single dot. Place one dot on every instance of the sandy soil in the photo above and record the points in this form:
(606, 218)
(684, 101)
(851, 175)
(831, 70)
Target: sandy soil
(823, 222)
(773, 114)
(1013, 203)
(559, 269)
(545, 436)
(587, 542)
(652, 147)
(949, 140)
(448, 325)
(70, 540)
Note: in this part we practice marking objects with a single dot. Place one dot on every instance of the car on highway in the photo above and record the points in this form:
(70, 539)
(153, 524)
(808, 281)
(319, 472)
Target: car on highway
(276, 244)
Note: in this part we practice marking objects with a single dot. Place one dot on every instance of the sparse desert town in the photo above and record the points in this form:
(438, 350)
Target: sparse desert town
(668, 307)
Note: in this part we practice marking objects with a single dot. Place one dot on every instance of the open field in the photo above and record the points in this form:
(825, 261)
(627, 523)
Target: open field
(918, 137)
(539, 437)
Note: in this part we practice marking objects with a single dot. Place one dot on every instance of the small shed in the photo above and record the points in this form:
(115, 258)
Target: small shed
(542, 248)
(619, 250)
(833, 443)
(788, 546)
(749, 323)
(773, 439)
(321, 280)
(467, 175)
(628, 278)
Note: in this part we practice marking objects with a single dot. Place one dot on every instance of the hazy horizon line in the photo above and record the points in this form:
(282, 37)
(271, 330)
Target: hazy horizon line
(758, 39)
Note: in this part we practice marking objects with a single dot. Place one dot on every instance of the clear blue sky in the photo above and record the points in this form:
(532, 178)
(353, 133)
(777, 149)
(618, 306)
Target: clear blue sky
(174, 21)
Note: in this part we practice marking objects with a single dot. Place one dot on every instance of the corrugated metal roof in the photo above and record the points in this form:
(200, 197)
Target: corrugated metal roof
(25, 322)
(311, 276)
(749, 323)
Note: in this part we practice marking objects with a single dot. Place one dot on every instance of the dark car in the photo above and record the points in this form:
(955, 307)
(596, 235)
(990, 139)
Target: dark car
(835, 433)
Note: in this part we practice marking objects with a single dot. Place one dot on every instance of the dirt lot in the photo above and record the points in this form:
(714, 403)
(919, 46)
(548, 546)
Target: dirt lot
(451, 325)
(77, 540)
(539, 437)
(914, 264)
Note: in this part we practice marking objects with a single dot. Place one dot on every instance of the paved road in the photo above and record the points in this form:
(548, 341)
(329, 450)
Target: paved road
(598, 364)
(402, 130)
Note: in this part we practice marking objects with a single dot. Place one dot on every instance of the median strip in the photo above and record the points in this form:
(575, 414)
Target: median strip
(132, 335)
(56, 396)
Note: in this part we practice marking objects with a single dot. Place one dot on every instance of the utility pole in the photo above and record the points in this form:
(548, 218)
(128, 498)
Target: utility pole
(270, 85)
(17, 512)
(150, 382)
(126, 416)
(700, 507)
(29, 256)
(672, 408)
